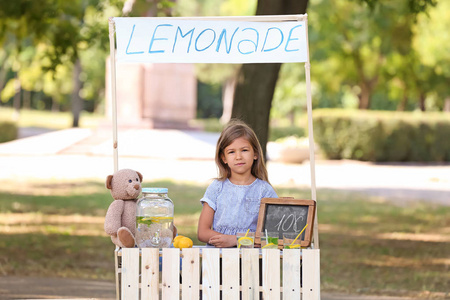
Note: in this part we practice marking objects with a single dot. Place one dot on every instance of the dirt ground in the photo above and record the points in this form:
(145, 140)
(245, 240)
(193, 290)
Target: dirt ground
(63, 288)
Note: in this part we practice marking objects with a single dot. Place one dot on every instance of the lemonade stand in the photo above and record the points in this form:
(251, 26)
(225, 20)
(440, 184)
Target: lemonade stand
(217, 273)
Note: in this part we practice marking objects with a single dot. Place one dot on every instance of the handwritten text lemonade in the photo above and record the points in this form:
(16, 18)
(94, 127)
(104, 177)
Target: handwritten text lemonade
(202, 41)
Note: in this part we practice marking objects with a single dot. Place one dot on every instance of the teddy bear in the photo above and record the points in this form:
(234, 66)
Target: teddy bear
(120, 220)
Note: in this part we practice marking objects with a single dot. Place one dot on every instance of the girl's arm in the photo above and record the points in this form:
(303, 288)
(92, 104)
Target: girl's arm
(204, 231)
(207, 235)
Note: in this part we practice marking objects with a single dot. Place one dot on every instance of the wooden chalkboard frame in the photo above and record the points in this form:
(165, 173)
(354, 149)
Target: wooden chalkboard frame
(286, 202)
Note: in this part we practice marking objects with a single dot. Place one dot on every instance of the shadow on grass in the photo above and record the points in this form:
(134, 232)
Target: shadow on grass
(368, 244)
(369, 265)
(57, 255)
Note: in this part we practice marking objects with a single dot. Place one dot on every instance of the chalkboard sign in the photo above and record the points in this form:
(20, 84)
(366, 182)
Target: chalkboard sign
(286, 215)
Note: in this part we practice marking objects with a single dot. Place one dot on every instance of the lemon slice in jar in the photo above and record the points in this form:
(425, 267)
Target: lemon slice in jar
(245, 241)
(162, 219)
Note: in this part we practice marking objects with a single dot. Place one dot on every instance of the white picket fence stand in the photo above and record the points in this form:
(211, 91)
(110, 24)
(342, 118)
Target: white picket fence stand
(212, 273)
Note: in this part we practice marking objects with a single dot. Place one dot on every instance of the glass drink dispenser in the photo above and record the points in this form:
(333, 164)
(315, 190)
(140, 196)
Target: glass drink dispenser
(154, 219)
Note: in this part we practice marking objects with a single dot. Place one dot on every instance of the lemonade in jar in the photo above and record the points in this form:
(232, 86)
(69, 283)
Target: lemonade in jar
(154, 219)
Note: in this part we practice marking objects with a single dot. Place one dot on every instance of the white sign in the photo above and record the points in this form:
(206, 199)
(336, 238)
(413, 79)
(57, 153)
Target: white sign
(209, 41)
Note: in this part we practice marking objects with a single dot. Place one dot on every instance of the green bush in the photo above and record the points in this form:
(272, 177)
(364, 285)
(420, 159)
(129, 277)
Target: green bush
(382, 136)
(8, 131)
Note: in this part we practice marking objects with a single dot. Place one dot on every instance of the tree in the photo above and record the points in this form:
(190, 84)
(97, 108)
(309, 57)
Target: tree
(290, 94)
(367, 48)
(353, 42)
(256, 82)
(431, 43)
(215, 74)
(409, 73)
(63, 27)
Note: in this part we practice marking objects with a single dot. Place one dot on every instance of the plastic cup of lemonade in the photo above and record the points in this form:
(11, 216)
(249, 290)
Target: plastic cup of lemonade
(245, 241)
(269, 240)
(289, 241)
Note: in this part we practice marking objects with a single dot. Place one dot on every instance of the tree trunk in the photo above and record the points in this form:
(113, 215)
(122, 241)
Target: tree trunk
(3, 71)
(55, 106)
(446, 105)
(366, 83)
(227, 99)
(291, 117)
(26, 99)
(256, 82)
(253, 97)
(77, 102)
(364, 97)
(422, 98)
(403, 102)
(17, 96)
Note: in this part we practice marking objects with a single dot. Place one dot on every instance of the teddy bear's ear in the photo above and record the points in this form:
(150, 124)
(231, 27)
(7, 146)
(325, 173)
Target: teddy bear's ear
(109, 181)
(140, 176)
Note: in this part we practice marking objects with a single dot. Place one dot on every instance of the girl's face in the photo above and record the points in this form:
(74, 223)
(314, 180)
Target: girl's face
(239, 156)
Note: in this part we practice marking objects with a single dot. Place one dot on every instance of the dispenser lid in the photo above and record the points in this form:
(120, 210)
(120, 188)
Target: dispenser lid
(155, 190)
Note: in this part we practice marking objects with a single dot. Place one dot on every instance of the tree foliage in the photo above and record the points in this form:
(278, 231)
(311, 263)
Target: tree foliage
(65, 26)
(55, 32)
(377, 54)
(367, 50)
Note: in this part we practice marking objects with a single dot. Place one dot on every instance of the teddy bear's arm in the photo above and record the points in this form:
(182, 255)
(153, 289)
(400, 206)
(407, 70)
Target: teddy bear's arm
(113, 218)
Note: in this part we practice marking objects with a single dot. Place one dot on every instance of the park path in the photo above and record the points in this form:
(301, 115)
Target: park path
(81, 153)
(63, 288)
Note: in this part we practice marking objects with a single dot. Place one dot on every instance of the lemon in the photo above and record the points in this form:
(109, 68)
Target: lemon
(268, 245)
(184, 242)
(245, 241)
(176, 240)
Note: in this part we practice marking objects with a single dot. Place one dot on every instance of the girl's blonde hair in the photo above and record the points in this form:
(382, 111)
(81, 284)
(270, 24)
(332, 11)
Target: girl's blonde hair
(234, 130)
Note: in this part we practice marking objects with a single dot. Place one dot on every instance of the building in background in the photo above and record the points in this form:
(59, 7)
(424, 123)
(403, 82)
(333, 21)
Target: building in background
(153, 95)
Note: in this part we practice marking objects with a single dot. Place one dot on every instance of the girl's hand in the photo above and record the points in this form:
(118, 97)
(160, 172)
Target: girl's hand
(223, 241)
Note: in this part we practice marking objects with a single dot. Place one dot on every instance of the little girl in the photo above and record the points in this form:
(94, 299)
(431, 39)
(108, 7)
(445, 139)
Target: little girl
(231, 202)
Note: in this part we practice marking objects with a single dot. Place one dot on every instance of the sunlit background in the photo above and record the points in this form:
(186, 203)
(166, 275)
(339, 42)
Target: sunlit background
(380, 74)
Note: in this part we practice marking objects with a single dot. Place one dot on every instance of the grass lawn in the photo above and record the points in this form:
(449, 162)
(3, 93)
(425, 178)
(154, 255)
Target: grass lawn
(367, 245)
(48, 119)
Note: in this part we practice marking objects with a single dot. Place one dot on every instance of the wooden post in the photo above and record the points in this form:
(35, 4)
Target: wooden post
(116, 265)
(271, 274)
(112, 50)
(190, 274)
(130, 274)
(171, 274)
(230, 267)
(150, 273)
(250, 274)
(312, 162)
(291, 274)
(311, 274)
(210, 274)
